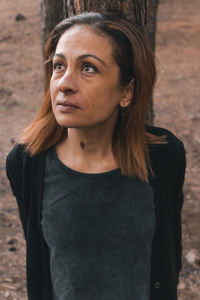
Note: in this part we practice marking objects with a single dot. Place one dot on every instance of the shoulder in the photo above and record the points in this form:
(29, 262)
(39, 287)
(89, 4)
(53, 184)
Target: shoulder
(168, 160)
(170, 137)
(172, 148)
(19, 159)
(20, 165)
(17, 151)
(16, 156)
(15, 163)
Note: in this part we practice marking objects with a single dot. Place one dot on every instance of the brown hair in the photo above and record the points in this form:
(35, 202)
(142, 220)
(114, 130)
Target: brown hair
(135, 59)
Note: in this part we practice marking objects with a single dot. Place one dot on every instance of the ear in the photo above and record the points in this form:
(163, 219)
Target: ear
(127, 94)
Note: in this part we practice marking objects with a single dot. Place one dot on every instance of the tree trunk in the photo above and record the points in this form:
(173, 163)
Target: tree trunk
(150, 29)
(52, 12)
(142, 12)
(134, 9)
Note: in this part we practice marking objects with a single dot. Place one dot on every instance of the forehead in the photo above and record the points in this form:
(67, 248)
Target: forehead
(81, 39)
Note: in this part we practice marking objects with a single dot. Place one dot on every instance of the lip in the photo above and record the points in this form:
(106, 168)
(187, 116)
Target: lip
(66, 106)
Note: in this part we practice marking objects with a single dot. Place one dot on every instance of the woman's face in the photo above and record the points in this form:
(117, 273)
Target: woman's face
(84, 85)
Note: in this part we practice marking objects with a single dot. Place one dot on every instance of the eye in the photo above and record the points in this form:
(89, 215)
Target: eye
(89, 68)
(58, 66)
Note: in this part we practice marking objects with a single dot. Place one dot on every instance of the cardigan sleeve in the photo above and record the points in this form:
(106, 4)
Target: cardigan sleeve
(169, 164)
(14, 170)
(179, 175)
(175, 165)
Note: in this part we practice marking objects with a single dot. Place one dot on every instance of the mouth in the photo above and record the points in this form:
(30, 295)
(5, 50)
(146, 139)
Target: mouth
(67, 103)
(66, 106)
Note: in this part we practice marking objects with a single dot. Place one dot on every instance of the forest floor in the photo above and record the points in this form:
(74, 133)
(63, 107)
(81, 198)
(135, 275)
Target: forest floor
(176, 104)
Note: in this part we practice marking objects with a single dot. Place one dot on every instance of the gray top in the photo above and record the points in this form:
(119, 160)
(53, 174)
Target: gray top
(99, 229)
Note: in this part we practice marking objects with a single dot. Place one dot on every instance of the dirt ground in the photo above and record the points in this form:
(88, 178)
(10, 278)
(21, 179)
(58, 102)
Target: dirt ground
(177, 107)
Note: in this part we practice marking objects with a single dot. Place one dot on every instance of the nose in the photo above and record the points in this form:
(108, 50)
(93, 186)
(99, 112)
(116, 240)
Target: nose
(67, 83)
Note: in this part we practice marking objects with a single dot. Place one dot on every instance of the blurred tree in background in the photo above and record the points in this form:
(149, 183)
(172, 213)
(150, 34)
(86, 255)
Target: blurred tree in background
(52, 12)
(142, 12)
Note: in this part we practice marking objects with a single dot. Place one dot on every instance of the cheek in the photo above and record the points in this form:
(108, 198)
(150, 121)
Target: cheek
(89, 97)
(52, 90)
(114, 94)
(111, 94)
(104, 95)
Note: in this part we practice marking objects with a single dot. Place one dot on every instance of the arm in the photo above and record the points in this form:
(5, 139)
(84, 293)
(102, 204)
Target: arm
(14, 170)
(178, 181)
(168, 161)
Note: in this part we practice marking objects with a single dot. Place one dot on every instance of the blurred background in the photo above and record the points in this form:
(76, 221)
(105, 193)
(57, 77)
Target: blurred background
(176, 107)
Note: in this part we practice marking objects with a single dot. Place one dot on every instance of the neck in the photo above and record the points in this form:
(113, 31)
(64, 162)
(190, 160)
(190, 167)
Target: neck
(88, 149)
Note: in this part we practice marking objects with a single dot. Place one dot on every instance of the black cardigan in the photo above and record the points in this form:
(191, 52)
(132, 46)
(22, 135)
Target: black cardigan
(168, 161)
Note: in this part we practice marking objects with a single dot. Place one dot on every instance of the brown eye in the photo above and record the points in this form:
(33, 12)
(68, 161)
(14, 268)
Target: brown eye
(58, 66)
(89, 68)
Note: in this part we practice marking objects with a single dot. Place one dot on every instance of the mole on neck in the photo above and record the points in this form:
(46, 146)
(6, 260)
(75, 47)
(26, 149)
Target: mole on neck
(82, 144)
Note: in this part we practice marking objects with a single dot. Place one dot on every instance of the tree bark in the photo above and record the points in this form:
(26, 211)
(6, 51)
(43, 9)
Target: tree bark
(142, 12)
(52, 12)
(134, 9)
(151, 19)
(150, 29)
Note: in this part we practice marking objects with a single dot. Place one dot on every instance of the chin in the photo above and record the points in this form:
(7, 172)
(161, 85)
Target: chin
(63, 122)
(71, 121)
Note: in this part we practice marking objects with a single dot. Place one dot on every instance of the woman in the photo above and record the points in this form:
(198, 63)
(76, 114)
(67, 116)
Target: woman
(99, 192)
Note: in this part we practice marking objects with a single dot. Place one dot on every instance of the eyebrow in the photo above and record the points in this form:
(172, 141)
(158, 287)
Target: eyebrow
(83, 56)
(93, 56)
